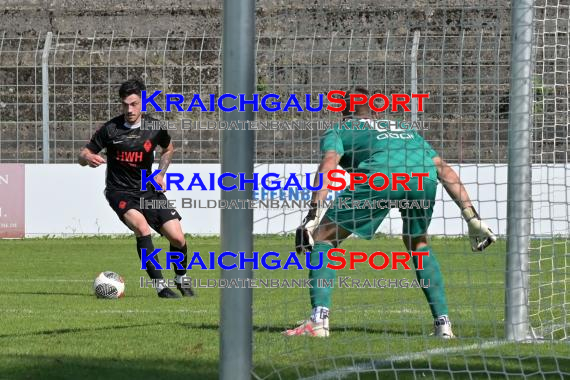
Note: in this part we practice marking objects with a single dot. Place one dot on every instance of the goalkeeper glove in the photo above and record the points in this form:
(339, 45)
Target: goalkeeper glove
(480, 234)
(304, 235)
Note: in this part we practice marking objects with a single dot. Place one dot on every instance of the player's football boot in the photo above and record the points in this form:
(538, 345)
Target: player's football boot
(167, 293)
(186, 290)
(310, 328)
(442, 328)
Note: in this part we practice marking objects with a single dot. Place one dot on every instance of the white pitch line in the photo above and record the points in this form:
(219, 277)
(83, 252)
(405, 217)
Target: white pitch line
(193, 311)
(341, 373)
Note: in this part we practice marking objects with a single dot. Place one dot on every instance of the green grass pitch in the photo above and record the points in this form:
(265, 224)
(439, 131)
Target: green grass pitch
(53, 327)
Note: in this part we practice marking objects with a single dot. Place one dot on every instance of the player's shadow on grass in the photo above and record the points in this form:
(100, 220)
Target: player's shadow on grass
(44, 293)
(344, 329)
(70, 330)
(77, 294)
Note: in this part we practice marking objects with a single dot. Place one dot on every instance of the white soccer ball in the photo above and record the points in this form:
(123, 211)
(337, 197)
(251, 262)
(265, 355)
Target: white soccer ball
(109, 285)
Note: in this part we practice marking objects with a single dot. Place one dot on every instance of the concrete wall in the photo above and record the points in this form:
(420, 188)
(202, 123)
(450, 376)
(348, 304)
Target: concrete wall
(273, 16)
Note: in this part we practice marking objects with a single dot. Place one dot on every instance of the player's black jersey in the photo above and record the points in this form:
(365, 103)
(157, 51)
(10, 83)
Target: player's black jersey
(128, 151)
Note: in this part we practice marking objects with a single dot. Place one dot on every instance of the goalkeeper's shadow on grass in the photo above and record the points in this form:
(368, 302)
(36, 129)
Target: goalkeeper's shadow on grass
(335, 330)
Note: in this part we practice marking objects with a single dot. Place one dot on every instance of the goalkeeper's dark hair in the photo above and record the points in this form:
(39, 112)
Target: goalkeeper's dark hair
(359, 107)
(130, 87)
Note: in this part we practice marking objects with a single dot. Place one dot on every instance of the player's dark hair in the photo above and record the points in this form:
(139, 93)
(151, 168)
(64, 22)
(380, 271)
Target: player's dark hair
(130, 87)
(356, 90)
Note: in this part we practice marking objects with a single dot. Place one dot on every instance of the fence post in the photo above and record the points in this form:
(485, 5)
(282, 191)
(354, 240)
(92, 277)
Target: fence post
(45, 98)
(414, 74)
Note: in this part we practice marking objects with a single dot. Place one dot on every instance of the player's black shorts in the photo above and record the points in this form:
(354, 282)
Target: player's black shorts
(122, 201)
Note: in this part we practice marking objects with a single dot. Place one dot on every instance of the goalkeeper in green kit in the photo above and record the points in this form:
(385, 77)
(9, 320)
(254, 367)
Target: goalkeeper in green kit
(358, 149)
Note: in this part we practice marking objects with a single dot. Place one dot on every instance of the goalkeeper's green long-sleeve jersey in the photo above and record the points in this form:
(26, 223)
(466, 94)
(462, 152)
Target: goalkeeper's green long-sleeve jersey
(372, 146)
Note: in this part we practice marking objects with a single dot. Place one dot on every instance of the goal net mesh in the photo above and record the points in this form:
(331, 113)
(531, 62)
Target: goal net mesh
(460, 56)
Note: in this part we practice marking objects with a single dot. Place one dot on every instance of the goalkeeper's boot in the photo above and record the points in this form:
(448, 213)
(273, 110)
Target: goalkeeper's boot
(167, 293)
(186, 290)
(310, 328)
(442, 327)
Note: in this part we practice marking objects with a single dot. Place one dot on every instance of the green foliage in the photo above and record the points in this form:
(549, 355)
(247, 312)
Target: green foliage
(262, 86)
(541, 93)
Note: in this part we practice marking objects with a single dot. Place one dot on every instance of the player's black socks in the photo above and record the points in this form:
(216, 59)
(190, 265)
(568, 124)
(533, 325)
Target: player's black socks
(146, 242)
(182, 250)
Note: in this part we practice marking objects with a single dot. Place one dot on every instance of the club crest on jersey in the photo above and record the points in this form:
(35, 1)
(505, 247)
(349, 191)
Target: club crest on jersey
(122, 204)
(147, 146)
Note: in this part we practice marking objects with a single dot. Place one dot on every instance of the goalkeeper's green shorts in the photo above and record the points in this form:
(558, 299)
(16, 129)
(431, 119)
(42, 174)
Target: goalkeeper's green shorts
(362, 211)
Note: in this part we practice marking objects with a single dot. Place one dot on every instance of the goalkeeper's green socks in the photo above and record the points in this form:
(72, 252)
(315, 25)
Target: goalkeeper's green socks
(321, 296)
(431, 274)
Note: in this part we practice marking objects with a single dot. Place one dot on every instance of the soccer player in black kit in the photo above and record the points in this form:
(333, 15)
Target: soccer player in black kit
(130, 149)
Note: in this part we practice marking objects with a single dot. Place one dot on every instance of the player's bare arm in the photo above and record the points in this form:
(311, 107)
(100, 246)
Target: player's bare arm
(452, 183)
(329, 162)
(480, 234)
(87, 157)
(165, 159)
